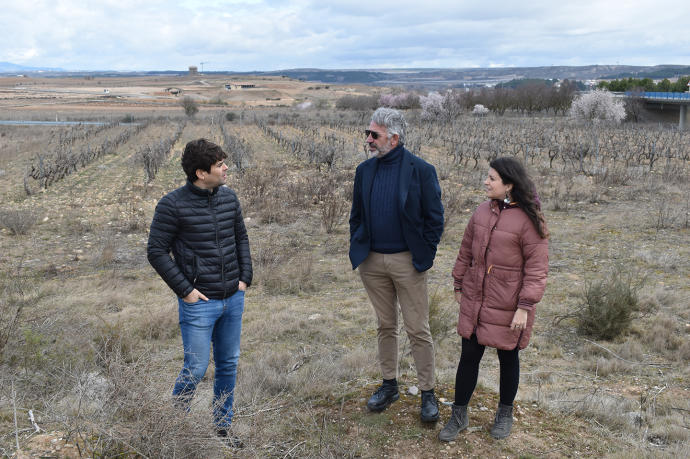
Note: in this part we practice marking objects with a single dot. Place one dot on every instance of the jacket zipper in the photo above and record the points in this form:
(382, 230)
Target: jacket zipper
(220, 250)
(488, 271)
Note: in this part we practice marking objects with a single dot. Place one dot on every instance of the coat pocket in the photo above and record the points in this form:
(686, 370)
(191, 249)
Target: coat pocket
(502, 287)
(190, 266)
(359, 234)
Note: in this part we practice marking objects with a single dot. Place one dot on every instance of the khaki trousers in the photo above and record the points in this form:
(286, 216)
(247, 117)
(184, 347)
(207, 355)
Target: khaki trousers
(390, 279)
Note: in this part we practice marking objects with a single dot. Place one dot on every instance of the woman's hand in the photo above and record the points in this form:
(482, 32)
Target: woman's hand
(458, 296)
(519, 320)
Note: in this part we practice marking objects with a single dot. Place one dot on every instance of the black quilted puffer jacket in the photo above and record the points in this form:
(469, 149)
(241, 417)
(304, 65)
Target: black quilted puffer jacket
(205, 232)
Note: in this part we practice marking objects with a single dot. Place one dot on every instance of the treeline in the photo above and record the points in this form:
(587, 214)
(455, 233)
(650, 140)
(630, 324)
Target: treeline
(527, 99)
(531, 97)
(517, 83)
(646, 84)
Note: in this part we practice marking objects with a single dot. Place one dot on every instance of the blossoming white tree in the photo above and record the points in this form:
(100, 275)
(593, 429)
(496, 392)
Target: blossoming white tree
(432, 106)
(480, 110)
(598, 105)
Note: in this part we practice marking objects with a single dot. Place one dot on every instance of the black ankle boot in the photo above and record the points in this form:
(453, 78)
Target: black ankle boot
(383, 397)
(429, 411)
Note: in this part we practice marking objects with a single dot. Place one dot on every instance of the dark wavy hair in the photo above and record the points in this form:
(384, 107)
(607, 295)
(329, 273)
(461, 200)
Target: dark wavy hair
(200, 154)
(524, 193)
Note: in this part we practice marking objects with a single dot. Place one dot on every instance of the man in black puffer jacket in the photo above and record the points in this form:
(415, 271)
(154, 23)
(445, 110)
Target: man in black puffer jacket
(201, 225)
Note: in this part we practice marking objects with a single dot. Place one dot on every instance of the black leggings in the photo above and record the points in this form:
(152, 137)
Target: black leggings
(468, 371)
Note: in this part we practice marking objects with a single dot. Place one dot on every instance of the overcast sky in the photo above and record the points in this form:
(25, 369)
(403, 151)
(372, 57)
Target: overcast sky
(245, 35)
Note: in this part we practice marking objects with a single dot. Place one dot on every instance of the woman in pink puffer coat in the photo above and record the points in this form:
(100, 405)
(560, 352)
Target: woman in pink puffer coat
(499, 276)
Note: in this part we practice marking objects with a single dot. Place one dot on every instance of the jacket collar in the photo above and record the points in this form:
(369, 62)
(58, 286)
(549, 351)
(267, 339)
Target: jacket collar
(393, 155)
(497, 205)
(200, 191)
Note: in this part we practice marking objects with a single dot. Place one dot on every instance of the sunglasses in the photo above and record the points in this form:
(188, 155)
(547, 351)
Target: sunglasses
(374, 135)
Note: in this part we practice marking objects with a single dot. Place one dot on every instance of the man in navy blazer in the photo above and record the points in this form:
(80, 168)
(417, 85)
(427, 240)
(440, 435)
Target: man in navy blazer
(396, 223)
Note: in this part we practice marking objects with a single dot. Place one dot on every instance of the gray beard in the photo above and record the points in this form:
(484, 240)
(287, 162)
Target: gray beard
(378, 153)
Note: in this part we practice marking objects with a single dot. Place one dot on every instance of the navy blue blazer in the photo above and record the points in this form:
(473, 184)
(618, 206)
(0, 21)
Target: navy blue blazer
(421, 211)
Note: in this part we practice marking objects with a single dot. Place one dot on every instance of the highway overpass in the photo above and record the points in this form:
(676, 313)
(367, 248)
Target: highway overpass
(670, 101)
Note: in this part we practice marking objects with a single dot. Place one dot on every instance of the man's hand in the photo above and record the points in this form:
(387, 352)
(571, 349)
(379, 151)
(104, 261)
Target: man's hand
(242, 287)
(194, 296)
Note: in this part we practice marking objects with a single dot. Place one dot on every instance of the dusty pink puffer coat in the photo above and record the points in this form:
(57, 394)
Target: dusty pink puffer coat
(502, 265)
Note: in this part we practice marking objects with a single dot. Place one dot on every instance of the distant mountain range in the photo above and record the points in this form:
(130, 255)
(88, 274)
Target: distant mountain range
(480, 76)
(422, 78)
(8, 67)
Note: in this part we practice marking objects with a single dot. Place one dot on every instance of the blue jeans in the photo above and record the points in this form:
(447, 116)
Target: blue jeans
(202, 323)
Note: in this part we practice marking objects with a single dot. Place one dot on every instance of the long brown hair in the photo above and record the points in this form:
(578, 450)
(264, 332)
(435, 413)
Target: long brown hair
(524, 193)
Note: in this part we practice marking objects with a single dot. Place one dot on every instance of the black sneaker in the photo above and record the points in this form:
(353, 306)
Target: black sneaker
(229, 439)
(429, 411)
(383, 397)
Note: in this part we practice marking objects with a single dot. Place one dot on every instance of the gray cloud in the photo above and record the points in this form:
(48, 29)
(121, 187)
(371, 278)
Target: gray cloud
(274, 34)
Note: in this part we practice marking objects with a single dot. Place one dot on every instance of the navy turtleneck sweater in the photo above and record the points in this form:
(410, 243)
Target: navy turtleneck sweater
(386, 229)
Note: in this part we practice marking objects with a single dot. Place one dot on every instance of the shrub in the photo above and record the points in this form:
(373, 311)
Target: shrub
(157, 324)
(610, 305)
(453, 204)
(333, 210)
(295, 276)
(18, 221)
(662, 337)
(260, 186)
(230, 116)
(269, 253)
(119, 412)
(350, 102)
(683, 353)
(321, 104)
(113, 342)
(217, 100)
(190, 106)
(442, 314)
(333, 202)
(603, 367)
(132, 218)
